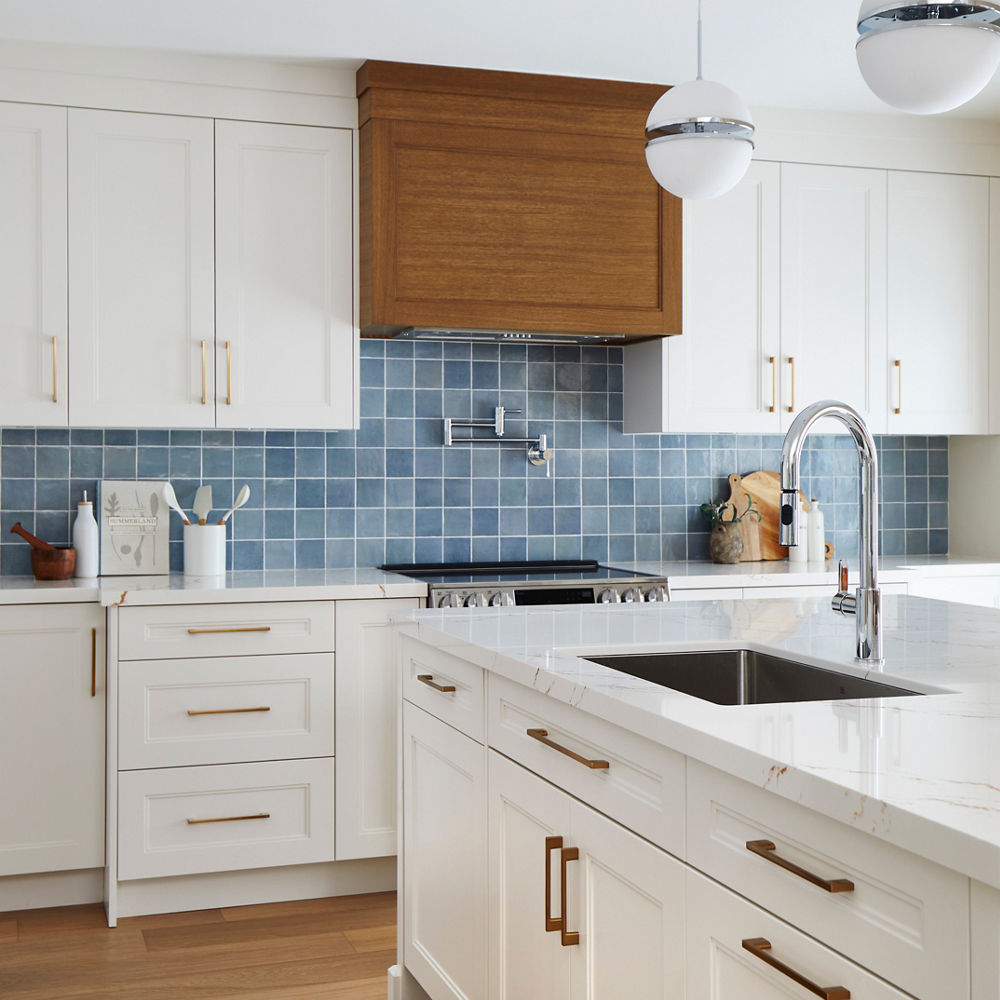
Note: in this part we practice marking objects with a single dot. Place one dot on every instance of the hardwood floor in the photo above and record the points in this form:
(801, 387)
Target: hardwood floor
(334, 949)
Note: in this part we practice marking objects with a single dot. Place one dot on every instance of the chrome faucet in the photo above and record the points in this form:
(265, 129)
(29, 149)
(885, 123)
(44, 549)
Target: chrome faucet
(867, 602)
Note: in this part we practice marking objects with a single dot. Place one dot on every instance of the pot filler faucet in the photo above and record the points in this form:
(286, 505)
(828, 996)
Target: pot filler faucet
(866, 603)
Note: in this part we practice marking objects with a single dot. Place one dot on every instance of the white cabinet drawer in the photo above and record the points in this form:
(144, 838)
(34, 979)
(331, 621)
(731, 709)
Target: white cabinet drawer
(448, 688)
(183, 820)
(721, 930)
(906, 918)
(176, 631)
(643, 785)
(224, 710)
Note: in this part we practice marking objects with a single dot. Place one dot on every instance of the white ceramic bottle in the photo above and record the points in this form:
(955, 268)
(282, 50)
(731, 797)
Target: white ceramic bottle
(85, 539)
(817, 534)
(800, 553)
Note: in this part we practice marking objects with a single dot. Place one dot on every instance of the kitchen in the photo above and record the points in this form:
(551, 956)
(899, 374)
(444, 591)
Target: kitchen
(856, 237)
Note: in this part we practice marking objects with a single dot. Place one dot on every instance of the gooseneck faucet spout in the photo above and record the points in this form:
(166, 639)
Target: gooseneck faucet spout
(867, 604)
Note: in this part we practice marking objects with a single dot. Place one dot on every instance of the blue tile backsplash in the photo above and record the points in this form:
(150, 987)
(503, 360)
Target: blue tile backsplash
(391, 492)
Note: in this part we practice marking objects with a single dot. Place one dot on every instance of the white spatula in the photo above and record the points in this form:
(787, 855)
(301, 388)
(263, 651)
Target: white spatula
(171, 498)
(241, 499)
(202, 505)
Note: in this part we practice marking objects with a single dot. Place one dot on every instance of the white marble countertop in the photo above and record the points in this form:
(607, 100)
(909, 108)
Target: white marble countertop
(920, 772)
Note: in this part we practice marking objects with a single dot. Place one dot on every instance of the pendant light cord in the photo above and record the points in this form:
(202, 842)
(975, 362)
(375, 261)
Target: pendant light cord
(699, 39)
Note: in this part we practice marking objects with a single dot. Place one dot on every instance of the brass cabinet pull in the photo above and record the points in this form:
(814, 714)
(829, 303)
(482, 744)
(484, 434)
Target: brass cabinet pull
(228, 819)
(204, 368)
(566, 855)
(93, 663)
(761, 948)
(428, 679)
(791, 398)
(774, 384)
(55, 369)
(898, 365)
(542, 735)
(229, 373)
(227, 711)
(765, 849)
(216, 631)
(551, 923)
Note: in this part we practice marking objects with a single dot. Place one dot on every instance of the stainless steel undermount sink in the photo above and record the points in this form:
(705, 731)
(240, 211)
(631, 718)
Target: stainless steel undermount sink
(746, 677)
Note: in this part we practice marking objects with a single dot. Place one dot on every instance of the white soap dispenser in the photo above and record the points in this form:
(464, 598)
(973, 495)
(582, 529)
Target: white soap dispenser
(800, 553)
(817, 535)
(85, 539)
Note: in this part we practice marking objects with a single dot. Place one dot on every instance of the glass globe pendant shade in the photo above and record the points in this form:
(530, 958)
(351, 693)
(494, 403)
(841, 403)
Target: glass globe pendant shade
(700, 140)
(926, 58)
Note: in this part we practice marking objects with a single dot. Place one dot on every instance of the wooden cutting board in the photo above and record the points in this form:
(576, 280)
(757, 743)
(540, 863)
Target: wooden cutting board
(760, 538)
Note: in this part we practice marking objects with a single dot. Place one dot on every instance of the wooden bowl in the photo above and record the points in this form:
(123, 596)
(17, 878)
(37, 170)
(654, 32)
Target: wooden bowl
(55, 565)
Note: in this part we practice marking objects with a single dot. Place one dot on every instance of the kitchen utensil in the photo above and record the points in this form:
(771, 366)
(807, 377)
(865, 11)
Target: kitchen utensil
(765, 490)
(241, 499)
(48, 562)
(749, 526)
(35, 543)
(171, 498)
(202, 505)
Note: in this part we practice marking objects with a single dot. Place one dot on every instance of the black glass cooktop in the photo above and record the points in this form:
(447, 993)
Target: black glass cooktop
(506, 572)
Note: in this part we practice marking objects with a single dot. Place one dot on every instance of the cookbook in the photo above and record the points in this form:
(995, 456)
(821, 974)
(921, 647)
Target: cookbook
(134, 527)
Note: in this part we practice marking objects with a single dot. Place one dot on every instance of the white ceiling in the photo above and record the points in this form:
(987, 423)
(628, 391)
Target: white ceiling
(757, 47)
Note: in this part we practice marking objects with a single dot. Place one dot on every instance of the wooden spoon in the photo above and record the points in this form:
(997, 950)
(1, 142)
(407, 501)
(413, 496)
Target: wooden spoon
(35, 543)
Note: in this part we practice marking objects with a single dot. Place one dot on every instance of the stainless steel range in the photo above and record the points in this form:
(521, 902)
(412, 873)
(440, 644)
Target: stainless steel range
(509, 584)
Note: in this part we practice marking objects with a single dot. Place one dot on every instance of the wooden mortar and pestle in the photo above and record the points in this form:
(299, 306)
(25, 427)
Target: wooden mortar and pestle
(48, 562)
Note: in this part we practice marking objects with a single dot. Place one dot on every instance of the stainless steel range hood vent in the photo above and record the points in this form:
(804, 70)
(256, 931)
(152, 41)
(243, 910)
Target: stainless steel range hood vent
(509, 337)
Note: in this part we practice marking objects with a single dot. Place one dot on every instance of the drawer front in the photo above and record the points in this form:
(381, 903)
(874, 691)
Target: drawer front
(643, 785)
(179, 632)
(721, 968)
(183, 820)
(427, 670)
(906, 918)
(224, 710)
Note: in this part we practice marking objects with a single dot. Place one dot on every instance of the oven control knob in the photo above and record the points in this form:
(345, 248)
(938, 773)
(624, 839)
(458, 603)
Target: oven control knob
(657, 593)
(449, 601)
(632, 596)
(501, 600)
(477, 600)
(609, 596)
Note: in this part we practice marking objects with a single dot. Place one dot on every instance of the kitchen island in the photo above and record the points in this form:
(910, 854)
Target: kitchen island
(897, 797)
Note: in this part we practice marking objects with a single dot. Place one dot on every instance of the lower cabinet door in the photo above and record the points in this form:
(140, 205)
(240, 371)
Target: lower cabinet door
(737, 950)
(444, 843)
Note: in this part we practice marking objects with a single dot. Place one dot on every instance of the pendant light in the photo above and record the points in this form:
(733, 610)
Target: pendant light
(699, 137)
(926, 57)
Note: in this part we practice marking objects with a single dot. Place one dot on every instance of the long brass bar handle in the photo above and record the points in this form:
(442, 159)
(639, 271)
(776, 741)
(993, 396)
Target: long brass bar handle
(229, 373)
(791, 398)
(227, 711)
(765, 849)
(761, 948)
(542, 735)
(216, 631)
(551, 923)
(428, 679)
(93, 663)
(566, 855)
(228, 819)
(774, 384)
(898, 365)
(55, 369)
(204, 369)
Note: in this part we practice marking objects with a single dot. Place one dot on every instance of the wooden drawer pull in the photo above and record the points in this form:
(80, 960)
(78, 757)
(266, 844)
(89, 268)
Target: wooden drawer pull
(765, 849)
(551, 923)
(228, 819)
(217, 631)
(227, 711)
(567, 854)
(761, 948)
(428, 679)
(542, 735)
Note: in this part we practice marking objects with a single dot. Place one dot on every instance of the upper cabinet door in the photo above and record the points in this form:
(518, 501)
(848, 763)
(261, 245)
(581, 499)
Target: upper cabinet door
(285, 337)
(33, 265)
(141, 270)
(833, 265)
(939, 246)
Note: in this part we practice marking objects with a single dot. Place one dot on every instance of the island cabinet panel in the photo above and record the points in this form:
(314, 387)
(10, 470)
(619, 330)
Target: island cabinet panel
(506, 201)
(448, 688)
(985, 942)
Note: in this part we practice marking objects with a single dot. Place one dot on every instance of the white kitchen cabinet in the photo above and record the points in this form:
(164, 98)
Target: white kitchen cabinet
(367, 697)
(833, 267)
(938, 304)
(285, 333)
(141, 270)
(444, 874)
(52, 735)
(33, 322)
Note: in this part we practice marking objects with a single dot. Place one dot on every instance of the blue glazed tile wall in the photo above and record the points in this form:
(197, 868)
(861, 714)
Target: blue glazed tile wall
(390, 492)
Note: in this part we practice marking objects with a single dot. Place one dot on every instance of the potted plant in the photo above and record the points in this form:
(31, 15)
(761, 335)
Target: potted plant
(726, 543)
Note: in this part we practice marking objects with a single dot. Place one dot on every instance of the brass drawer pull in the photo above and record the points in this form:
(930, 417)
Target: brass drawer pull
(791, 400)
(55, 369)
(227, 711)
(428, 679)
(204, 369)
(93, 663)
(217, 631)
(228, 819)
(761, 948)
(898, 365)
(551, 923)
(774, 384)
(542, 735)
(567, 854)
(765, 849)
(229, 373)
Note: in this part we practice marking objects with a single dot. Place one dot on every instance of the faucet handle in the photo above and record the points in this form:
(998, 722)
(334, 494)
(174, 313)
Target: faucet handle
(842, 573)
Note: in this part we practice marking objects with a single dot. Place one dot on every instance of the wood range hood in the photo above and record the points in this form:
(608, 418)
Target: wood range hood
(494, 206)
